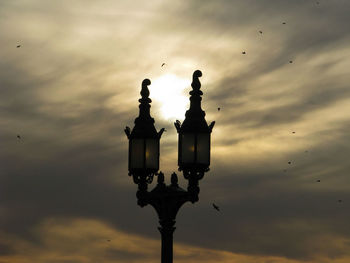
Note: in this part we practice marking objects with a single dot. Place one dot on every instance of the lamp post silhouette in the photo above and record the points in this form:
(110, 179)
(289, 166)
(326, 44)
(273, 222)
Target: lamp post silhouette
(193, 161)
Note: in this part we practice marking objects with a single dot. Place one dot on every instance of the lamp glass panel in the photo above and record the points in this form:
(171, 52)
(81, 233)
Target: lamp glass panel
(203, 148)
(137, 153)
(152, 153)
(187, 147)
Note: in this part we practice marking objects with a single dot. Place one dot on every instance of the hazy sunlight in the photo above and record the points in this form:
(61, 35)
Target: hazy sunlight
(168, 91)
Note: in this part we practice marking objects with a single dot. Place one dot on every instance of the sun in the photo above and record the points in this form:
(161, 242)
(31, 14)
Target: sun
(168, 94)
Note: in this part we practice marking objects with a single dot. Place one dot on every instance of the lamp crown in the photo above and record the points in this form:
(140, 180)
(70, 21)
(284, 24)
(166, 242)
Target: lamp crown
(144, 123)
(195, 116)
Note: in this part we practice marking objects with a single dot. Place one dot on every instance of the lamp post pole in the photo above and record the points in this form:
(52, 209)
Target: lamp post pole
(193, 160)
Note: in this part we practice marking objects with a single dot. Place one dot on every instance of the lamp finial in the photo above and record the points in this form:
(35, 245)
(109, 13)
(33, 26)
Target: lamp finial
(144, 90)
(196, 85)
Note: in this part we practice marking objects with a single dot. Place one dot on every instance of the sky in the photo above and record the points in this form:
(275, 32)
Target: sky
(73, 85)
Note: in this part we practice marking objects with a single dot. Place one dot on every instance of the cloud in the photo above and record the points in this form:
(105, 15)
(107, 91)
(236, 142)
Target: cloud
(80, 240)
(74, 84)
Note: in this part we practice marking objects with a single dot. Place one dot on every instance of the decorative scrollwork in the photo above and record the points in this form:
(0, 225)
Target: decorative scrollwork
(174, 180)
(140, 178)
(198, 175)
(145, 91)
(196, 85)
(149, 178)
(160, 179)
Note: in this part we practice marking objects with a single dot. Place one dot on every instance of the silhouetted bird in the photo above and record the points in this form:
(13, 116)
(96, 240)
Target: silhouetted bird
(293, 132)
(19, 137)
(318, 181)
(216, 207)
(163, 65)
(284, 23)
(289, 162)
(219, 109)
(260, 31)
(290, 61)
(339, 200)
(108, 240)
(243, 52)
(18, 46)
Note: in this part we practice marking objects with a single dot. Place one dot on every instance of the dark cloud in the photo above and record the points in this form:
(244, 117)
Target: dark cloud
(119, 254)
(6, 250)
(283, 206)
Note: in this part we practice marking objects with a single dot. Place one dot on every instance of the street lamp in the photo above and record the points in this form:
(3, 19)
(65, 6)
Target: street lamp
(193, 160)
(143, 142)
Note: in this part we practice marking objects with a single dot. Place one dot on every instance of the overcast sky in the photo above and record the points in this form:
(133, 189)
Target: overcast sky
(73, 85)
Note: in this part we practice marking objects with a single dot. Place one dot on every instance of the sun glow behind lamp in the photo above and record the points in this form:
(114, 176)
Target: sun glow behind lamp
(193, 160)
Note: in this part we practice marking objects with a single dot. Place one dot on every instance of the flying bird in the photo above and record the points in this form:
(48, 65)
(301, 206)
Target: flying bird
(289, 162)
(18, 136)
(318, 181)
(18, 46)
(260, 31)
(216, 207)
(339, 200)
(284, 23)
(219, 109)
(243, 52)
(163, 64)
(108, 240)
(290, 61)
(293, 132)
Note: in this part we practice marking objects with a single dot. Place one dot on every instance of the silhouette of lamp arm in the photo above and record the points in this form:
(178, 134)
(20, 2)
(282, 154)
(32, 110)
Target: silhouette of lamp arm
(193, 160)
